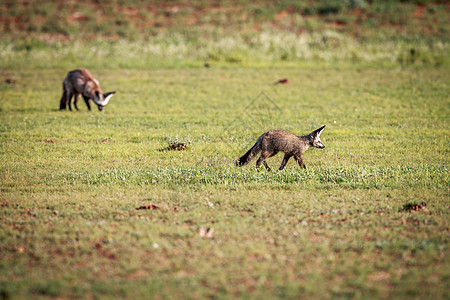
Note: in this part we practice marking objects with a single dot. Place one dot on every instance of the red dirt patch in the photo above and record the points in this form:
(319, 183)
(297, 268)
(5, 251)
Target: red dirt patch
(281, 15)
(418, 13)
(77, 16)
(48, 141)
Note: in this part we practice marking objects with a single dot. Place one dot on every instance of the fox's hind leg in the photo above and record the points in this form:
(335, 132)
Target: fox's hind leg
(298, 158)
(69, 99)
(284, 162)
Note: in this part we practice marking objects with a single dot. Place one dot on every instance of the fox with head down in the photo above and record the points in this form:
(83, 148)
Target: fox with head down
(81, 82)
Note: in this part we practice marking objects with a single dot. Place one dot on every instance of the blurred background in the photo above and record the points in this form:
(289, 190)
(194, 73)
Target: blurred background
(146, 34)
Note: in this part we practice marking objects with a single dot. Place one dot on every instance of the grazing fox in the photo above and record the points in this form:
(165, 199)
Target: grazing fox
(274, 141)
(80, 81)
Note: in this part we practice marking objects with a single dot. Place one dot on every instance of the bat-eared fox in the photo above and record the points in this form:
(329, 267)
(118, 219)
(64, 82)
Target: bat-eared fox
(274, 141)
(80, 81)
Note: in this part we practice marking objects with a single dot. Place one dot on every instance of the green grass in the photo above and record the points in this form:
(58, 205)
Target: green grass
(367, 219)
(71, 183)
(271, 48)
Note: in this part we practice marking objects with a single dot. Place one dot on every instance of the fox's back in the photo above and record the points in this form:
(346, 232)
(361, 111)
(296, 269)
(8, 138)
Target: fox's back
(282, 141)
(80, 80)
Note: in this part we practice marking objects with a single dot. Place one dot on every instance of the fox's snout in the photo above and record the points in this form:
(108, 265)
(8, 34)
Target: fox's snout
(319, 145)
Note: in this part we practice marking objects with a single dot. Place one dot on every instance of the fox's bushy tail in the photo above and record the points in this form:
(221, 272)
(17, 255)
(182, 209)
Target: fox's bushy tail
(247, 157)
(62, 103)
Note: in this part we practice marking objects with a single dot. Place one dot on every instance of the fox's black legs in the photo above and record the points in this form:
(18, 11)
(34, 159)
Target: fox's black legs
(300, 161)
(86, 99)
(68, 100)
(284, 162)
(75, 100)
(264, 155)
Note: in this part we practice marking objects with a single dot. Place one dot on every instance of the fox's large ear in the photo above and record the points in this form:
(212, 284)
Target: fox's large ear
(108, 96)
(318, 132)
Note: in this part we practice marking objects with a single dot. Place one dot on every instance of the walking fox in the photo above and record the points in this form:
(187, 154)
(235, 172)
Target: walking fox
(274, 141)
(80, 81)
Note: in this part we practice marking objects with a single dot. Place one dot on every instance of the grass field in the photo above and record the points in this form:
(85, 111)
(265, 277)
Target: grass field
(95, 206)
(72, 183)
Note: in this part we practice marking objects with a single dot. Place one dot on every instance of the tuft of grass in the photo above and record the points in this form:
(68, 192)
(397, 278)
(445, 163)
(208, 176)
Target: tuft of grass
(414, 206)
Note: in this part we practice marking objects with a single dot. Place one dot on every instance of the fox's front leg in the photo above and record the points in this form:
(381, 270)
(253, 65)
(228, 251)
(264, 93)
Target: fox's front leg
(284, 162)
(86, 99)
(75, 100)
(298, 158)
(262, 159)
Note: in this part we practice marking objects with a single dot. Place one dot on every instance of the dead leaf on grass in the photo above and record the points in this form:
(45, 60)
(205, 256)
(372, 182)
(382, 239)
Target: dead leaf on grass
(282, 81)
(47, 140)
(150, 206)
(206, 232)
